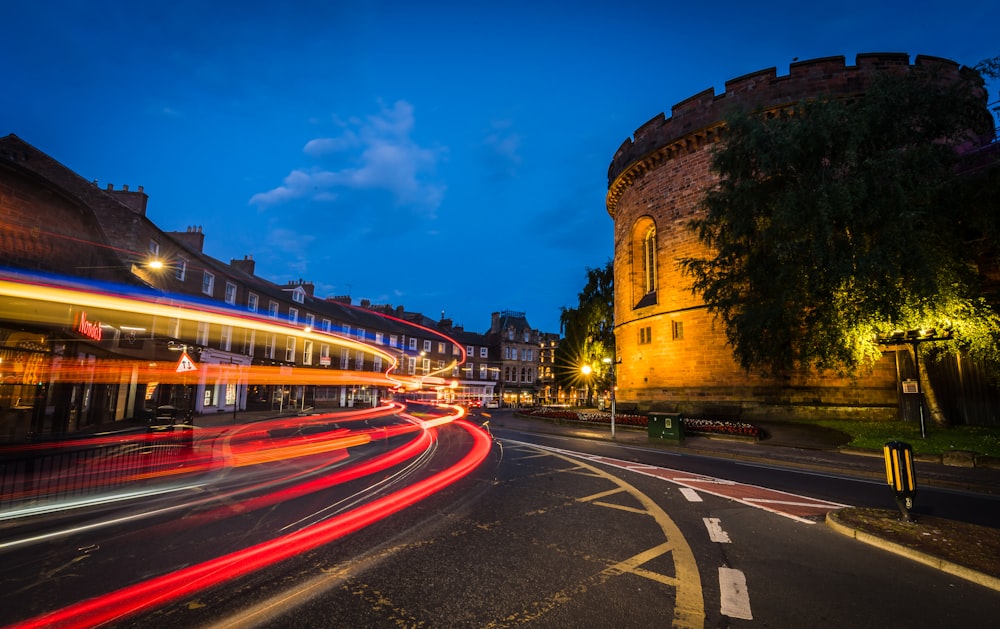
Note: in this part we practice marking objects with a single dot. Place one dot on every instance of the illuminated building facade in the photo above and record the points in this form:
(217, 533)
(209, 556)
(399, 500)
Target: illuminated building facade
(674, 354)
(55, 223)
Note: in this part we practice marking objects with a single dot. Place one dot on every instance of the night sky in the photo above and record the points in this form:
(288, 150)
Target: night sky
(443, 156)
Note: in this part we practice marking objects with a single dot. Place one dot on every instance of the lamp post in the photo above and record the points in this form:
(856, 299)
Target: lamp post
(612, 364)
(586, 370)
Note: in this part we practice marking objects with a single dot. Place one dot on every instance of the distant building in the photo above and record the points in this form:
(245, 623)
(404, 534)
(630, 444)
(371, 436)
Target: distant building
(518, 346)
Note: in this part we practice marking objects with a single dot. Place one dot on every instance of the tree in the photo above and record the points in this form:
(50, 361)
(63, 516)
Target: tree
(834, 223)
(588, 334)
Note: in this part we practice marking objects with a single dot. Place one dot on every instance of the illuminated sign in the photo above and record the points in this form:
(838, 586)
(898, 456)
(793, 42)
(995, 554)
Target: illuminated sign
(87, 328)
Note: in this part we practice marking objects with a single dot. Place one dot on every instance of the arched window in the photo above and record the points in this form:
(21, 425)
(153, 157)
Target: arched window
(649, 261)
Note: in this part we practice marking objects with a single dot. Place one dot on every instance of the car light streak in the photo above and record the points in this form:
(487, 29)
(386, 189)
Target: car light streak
(160, 590)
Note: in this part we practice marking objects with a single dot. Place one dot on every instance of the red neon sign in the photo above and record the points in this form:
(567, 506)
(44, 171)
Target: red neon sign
(88, 328)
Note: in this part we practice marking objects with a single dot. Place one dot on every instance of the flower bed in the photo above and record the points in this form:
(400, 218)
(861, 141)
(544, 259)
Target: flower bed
(693, 425)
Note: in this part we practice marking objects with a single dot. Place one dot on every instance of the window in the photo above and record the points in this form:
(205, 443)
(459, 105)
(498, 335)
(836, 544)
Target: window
(347, 330)
(154, 248)
(272, 309)
(425, 366)
(411, 365)
(482, 371)
(226, 343)
(290, 349)
(359, 360)
(310, 321)
(180, 269)
(531, 376)
(482, 352)
(678, 330)
(379, 338)
(269, 348)
(393, 340)
(441, 348)
(293, 315)
(527, 336)
(207, 283)
(531, 355)
(470, 351)
(427, 346)
(248, 341)
(230, 293)
(361, 334)
(252, 302)
(645, 335)
(377, 363)
(299, 295)
(202, 333)
(326, 325)
(413, 344)
(456, 350)
(324, 354)
(345, 358)
(307, 352)
(649, 261)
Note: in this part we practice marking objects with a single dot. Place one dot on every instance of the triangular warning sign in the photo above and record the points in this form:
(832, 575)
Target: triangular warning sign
(186, 364)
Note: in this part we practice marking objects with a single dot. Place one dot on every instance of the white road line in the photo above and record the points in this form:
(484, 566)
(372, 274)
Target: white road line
(715, 532)
(691, 494)
(735, 597)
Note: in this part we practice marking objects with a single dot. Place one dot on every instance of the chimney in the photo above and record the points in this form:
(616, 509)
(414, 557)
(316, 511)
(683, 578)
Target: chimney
(246, 264)
(135, 201)
(193, 238)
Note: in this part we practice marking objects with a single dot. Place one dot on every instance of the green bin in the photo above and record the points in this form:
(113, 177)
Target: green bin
(666, 426)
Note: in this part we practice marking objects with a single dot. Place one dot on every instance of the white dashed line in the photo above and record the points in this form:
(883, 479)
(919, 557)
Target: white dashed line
(691, 494)
(735, 597)
(715, 532)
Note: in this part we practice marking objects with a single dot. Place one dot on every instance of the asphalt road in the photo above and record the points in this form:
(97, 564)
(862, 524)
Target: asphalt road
(548, 532)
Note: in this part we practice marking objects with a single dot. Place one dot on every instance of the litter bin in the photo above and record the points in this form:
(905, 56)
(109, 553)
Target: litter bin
(665, 426)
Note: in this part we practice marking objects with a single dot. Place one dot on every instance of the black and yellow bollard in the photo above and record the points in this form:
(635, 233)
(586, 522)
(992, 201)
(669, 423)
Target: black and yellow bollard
(899, 474)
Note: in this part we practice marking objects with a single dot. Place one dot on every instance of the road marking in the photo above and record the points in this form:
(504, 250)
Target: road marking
(689, 603)
(793, 506)
(735, 598)
(691, 494)
(715, 532)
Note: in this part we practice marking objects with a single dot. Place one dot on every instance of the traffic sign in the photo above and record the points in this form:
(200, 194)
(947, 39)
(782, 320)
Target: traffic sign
(186, 364)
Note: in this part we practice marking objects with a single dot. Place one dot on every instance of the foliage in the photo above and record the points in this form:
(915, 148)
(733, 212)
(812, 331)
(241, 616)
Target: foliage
(588, 333)
(834, 223)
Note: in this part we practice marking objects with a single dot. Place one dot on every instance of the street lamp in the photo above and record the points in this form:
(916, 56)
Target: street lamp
(586, 370)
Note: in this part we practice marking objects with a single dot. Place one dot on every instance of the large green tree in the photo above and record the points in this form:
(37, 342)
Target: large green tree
(839, 221)
(588, 334)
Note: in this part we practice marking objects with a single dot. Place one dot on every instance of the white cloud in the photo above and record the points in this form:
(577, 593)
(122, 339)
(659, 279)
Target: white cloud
(370, 154)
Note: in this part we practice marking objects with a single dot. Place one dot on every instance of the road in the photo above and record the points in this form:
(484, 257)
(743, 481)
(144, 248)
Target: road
(547, 532)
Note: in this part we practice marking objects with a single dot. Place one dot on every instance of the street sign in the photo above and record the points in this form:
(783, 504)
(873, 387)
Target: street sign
(186, 364)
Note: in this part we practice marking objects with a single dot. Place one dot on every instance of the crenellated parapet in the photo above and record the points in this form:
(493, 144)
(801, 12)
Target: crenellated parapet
(697, 121)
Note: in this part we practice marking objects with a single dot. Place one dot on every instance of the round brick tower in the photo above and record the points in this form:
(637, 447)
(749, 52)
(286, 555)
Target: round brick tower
(674, 354)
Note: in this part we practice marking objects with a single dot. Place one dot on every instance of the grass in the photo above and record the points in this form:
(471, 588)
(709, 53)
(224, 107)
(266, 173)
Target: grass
(939, 439)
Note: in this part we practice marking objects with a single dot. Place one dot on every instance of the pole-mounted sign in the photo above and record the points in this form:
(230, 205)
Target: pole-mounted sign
(186, 364)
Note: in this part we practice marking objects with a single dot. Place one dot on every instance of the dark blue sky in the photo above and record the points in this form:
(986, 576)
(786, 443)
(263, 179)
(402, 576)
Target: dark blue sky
(443, 156)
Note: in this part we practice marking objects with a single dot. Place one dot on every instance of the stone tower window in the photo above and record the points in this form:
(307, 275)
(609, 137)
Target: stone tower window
(644, 271)
(649, 261)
